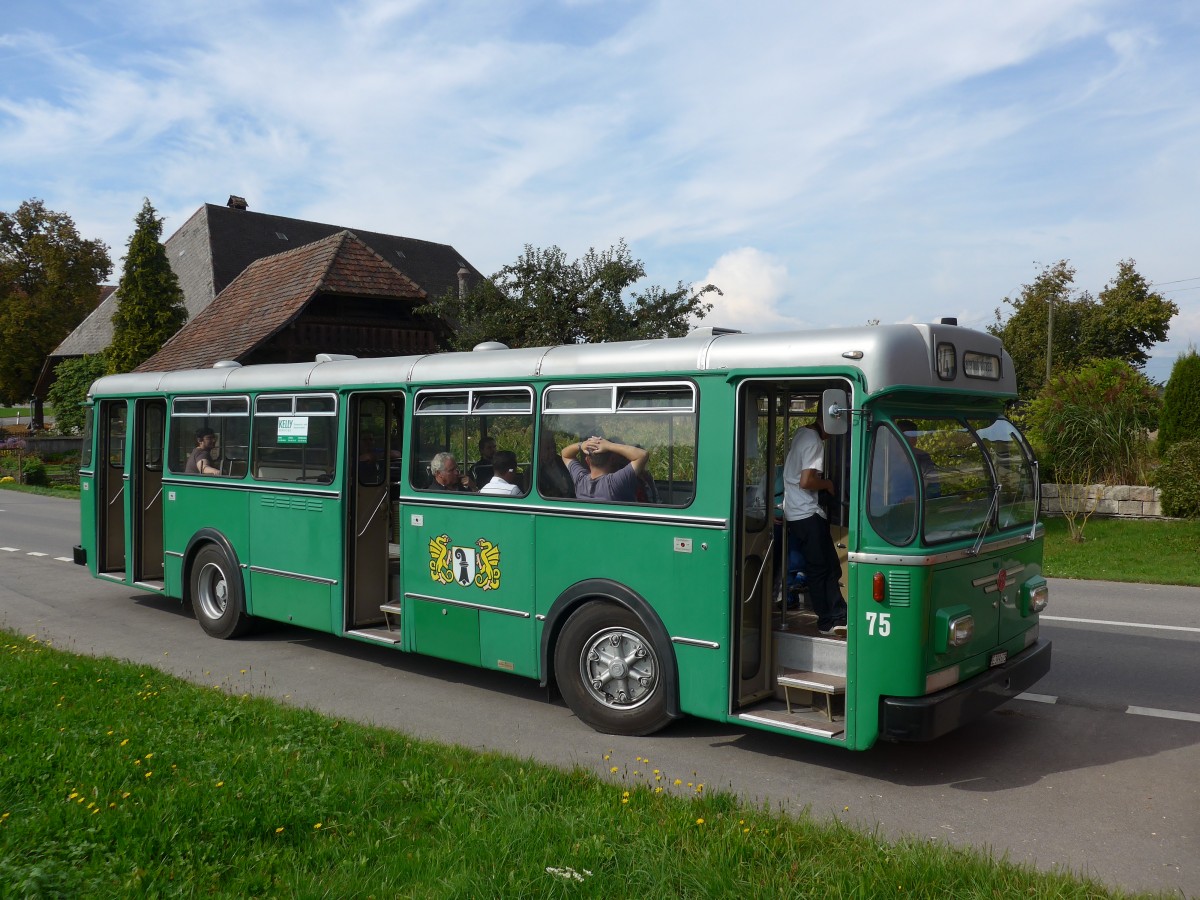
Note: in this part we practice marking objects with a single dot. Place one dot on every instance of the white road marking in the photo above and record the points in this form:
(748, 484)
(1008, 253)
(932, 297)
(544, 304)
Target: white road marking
(63, 559)
(1163, 713)
(10, 549)
(1046, 618)
(1037, 698)
(35, 553)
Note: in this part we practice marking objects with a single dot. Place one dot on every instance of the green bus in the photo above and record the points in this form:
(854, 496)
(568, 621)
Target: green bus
(317, 507)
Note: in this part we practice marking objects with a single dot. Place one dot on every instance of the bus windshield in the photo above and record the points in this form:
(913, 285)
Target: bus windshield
(955, 466)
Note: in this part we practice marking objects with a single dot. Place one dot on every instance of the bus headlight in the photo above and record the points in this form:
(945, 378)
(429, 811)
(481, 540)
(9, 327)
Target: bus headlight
(962, 629)
(1035, 594)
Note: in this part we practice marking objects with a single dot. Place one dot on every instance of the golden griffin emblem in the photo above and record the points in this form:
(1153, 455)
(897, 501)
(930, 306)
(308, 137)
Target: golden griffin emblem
(439, 559)
(488, 576)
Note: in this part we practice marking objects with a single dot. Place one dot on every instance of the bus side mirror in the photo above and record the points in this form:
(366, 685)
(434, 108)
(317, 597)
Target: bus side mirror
(835, 411)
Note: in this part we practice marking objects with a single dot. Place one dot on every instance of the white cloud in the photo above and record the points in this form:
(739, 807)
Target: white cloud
(752, 285)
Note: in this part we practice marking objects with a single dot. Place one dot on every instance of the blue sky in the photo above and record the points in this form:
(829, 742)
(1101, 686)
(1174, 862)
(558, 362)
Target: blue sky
(824, 164)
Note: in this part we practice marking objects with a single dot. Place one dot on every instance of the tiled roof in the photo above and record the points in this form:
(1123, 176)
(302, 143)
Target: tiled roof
(272, 292)
(237, 237)
(95, 332)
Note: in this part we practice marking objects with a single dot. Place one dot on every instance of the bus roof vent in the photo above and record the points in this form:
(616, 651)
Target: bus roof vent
(712, 331)
(227, 364)
(333, 357)
(490, 345)
(949, 320)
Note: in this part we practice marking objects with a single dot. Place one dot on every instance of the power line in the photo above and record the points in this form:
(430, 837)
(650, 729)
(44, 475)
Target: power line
(1177, 281)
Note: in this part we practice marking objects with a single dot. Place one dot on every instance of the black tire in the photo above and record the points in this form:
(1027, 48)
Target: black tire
(609, 672)
(216, 594)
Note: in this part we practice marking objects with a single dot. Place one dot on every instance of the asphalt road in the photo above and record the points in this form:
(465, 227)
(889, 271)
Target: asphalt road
(1098, 771)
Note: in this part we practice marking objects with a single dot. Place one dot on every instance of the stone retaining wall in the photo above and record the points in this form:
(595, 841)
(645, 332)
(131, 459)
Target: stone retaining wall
(1124, 500)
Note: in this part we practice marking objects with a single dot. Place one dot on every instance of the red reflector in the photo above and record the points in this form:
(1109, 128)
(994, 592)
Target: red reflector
(1001, 579)
(877, 588)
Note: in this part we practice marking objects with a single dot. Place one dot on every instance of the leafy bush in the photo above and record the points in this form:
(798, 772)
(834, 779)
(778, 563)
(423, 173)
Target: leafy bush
(1092, 424)
(1181, 401)
(35, 471)
(1179, 479)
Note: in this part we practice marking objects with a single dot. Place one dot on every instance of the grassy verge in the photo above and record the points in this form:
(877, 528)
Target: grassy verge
(1142, 551)
(69, 493)
(118, 780)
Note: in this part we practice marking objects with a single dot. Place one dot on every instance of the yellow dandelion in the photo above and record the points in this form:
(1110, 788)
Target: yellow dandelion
(614, 770)
(148, 774)
(148, 755)
(658, 790)
(678, 782)
(700, 821)
(656, 772)
(317, 826)
(124, 742)
(607, 757)
(745, 831)
(279, 830)
(72, 795)
(125, 796)
(625, 794)
(624, 799)
(220, 784)
(636, 772)
(700, 786)
(96, 810)
(112, 805)
(845, 809)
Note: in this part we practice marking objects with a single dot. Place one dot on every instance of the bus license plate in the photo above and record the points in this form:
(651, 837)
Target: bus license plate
(999, 658)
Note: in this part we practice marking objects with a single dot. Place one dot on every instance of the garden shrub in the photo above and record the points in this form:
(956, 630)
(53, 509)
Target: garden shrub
(1092, 424)
(35, 471)
(1178, 478)
(1181, 401)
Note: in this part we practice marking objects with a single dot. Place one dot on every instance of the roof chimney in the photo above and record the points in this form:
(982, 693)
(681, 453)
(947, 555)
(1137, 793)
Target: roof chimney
(463, 274)
(236, 202)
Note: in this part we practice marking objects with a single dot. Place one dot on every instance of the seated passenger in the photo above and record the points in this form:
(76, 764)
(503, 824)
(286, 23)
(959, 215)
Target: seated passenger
(483, 470)
(505, 480)
(553, 479)
(446, 474)
(604, 478)
(201, 460)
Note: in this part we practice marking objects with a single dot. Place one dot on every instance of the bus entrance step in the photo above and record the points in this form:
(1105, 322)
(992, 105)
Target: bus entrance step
(813, 683)
(391, 615)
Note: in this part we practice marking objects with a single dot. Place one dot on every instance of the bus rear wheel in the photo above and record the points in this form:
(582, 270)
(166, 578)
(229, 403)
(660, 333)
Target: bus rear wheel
(216, 592)
(609, 672)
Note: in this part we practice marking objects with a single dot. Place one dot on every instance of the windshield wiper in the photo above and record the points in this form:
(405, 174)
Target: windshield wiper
(993, 507)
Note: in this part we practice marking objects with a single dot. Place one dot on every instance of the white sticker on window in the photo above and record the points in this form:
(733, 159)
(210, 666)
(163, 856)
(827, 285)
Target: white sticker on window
(293, 430)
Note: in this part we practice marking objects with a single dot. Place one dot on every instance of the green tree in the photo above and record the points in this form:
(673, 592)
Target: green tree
(543, 298)
(49, 281)
(73, 377)
(1129, 319)
(1181, 402)
(149, 299)
(1123, 323)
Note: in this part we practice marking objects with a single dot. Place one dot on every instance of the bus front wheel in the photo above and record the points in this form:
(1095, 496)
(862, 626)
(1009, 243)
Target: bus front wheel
(217, 594)
(609, 672)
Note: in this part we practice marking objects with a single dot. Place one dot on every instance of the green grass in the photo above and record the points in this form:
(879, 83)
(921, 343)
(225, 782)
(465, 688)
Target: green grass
(117, 780)
(66, 492)
(1143, 551)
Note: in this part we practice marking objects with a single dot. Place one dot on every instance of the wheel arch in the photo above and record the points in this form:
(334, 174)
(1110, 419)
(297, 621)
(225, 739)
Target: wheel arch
(583, 592)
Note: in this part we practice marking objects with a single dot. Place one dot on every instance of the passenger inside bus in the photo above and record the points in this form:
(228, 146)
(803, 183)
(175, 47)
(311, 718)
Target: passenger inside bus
(483, 470)
(552, 476)
(605, 478)
(506, 481)
(808, 526)
(203, 460)
(446, 474)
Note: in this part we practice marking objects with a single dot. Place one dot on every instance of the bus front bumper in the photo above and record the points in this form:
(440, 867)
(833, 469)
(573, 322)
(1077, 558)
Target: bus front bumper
(931, 716)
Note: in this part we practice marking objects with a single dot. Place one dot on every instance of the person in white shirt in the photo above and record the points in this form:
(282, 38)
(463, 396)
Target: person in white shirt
(504, 480)
(808, 526)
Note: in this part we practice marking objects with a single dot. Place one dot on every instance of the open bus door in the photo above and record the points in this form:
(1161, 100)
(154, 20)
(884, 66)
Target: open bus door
(111, 482)
(372, 479)
(145, 483)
